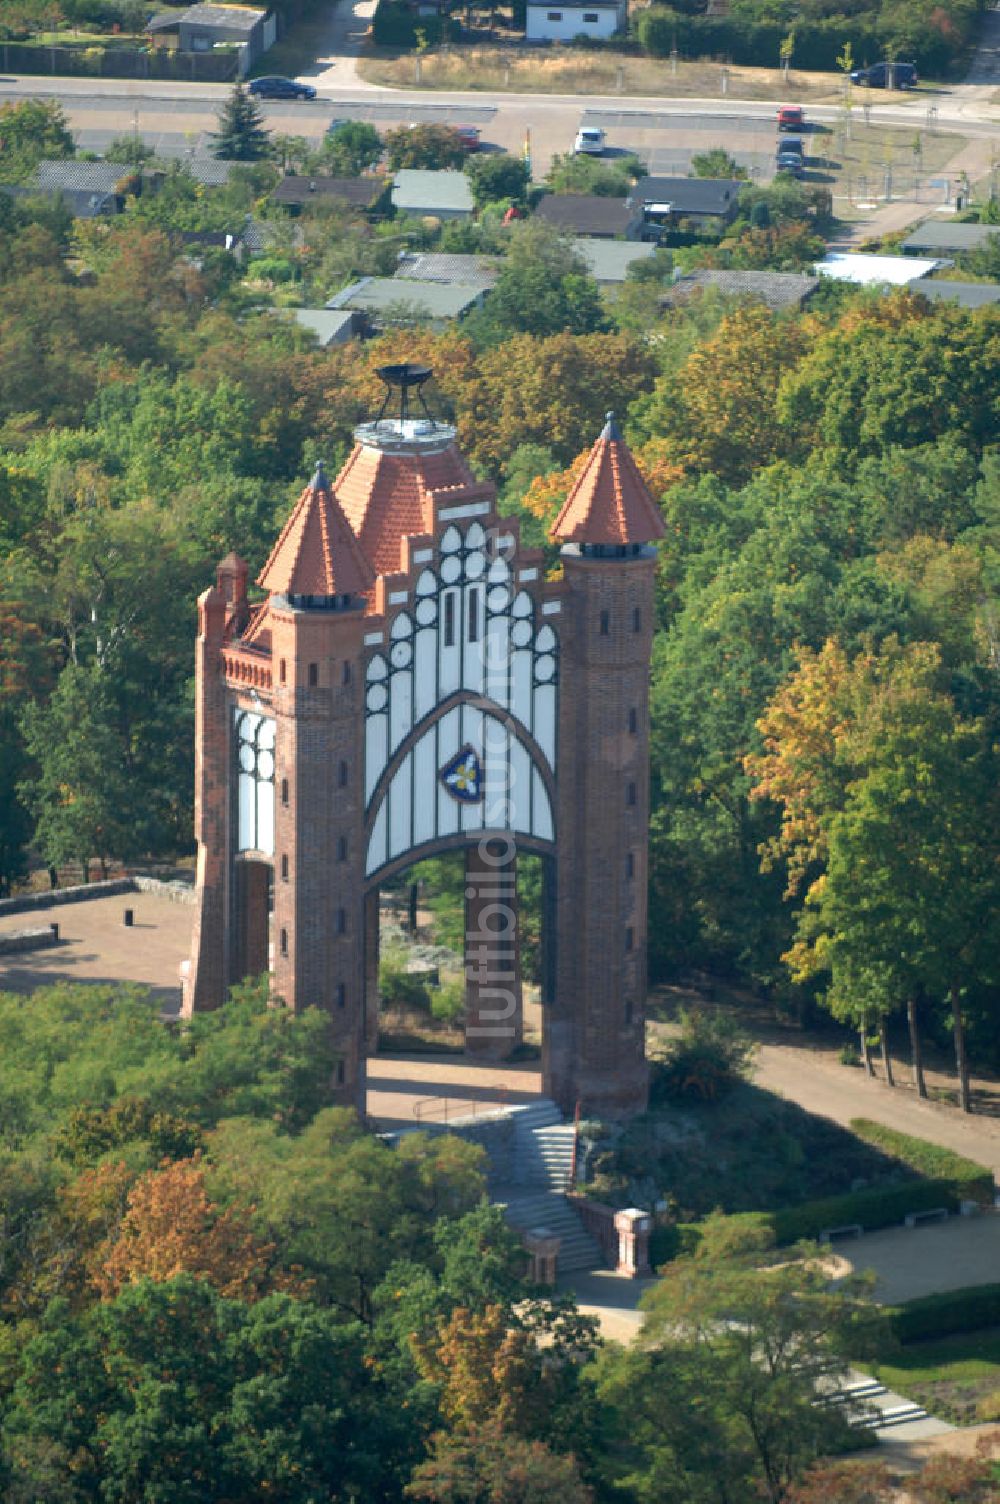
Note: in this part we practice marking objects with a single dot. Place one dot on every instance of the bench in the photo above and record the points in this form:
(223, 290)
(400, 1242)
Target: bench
(849, 1230)
(933, 1214)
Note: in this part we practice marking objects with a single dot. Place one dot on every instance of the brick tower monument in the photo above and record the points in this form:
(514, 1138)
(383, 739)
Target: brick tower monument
(411, 685)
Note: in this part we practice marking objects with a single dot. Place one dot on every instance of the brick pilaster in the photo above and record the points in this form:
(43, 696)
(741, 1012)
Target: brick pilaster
(319, 913)
(595, 1037)
(494, 1025)
(205, 983)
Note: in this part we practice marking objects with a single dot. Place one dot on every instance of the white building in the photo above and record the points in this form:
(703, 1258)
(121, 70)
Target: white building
(563, 20)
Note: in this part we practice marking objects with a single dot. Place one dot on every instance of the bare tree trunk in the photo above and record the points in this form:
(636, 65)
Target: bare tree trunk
(915, 1047)
(866, 1059)
(883, 1038)
(962, 1064)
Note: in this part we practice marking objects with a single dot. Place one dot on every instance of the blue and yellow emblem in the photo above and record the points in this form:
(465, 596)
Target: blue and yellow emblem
(462, 776)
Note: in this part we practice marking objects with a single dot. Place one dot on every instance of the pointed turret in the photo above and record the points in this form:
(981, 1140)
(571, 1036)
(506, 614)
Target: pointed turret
(317, 555)
(609, 504)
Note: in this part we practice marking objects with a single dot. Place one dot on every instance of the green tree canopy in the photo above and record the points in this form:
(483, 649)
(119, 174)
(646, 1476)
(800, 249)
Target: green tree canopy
(241, 136)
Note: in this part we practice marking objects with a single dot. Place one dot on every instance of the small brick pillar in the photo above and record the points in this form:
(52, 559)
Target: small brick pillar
(633, 1227)
(543, 1255)
(371, 970)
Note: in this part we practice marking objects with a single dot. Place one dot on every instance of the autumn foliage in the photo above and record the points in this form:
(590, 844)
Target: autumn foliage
(172, 1227)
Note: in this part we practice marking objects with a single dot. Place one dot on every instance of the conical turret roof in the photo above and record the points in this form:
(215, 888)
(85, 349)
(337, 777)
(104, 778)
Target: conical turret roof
(610, 502)
(317, 553)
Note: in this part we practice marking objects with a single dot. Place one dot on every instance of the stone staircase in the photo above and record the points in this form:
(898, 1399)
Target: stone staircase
(535, 1198)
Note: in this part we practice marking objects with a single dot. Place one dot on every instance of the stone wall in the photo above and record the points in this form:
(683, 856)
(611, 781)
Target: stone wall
(33, 939)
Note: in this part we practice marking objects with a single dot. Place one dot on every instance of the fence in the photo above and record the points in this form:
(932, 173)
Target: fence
(125, 62)
(887, 185)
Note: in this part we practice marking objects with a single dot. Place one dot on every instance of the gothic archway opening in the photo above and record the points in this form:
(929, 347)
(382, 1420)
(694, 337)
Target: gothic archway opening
(459, 953)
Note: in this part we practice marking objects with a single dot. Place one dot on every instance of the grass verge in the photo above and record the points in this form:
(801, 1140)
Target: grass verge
(954, 1378)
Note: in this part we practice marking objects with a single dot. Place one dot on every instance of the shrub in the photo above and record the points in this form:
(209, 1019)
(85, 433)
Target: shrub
(972, 1181)
(880, 1207)
(397, 988)
(756, 41)
(945, 1314)
(705, 1061)
(448, 1001)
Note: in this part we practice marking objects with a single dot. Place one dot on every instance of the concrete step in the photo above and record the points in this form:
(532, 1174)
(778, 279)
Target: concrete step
(578, 1250)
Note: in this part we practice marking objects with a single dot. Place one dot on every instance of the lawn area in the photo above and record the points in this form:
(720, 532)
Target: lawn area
(954, 1378)
(567, 70)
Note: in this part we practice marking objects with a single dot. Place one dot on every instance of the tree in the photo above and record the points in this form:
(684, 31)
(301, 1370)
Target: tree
(241, 136)
(430, 145)
(716, 163)
(718, 1398)
(718, 410)
(583, 174)
(498, 176)
(130, 148)
(172, 1227)
(31, 129)
(887, 797)
(351, 148)
(543, 391)
(485, 1464)
(79, 795)
(171, 1391)
(543, 288)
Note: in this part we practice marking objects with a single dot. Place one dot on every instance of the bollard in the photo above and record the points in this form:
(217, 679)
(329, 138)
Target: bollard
(54, 931)
(129, 918)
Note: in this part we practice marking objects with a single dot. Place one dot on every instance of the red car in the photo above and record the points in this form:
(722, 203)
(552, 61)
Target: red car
(791, 118)
(469, 136)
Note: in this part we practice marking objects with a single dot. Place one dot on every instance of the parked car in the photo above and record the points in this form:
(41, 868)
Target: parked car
(469, 136)
(789, 161)
(590, 142)
(792, 144)
(280, 88)
(791, 117)
(904, 76)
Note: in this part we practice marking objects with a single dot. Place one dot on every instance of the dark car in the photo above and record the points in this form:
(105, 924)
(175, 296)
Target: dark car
(280, 88)
(469, 136)
(904, 75)
(789, 161)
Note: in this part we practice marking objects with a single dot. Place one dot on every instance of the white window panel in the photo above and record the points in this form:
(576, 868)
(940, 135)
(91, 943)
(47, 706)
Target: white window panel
(400, 708)
(400, 808)
(542, 826)
(425, 775)
(425, 673)
(376, 751)
(544, 728)
(377, 851)
(521, 689)
(265, 818)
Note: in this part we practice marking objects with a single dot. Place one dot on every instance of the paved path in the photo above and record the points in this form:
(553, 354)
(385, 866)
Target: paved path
(335, 65)
(912, 1262)
(810, 1073)
(95, 946)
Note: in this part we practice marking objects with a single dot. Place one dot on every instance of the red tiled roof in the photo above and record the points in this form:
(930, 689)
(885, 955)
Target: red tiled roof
(317, 553)
(609, 502)
(387, 496)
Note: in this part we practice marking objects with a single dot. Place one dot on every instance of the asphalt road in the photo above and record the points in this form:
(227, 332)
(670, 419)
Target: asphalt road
(176, 118)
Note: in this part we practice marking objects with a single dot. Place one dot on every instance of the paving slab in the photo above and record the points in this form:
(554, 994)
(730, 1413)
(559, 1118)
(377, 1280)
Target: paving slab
(910, 1262)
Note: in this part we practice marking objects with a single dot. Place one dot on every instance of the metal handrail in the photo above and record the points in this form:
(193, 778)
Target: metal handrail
(424, 1104)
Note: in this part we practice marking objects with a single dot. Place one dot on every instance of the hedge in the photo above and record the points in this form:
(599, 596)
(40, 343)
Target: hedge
(817, 43)
(946, 1314)
(974, 1181)
(882, 1206)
